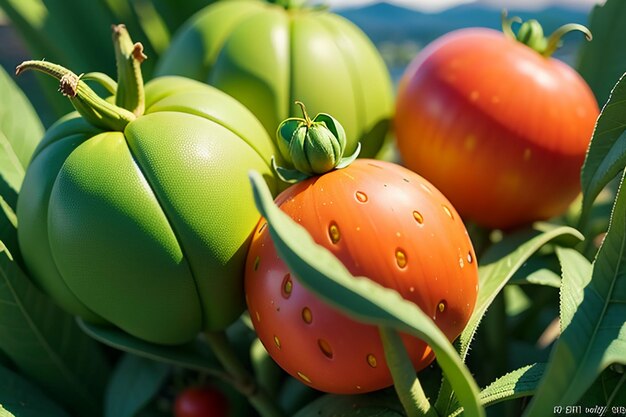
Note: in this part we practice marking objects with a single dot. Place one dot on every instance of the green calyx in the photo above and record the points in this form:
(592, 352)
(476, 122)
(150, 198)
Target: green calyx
(129, 92)
(314, 146)
(531, 34)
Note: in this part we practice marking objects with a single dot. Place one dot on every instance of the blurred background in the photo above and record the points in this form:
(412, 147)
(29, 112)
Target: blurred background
(398, 28)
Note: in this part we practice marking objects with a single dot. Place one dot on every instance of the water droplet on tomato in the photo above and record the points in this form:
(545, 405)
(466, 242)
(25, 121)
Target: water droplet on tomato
(287, 286)
(333, 232)
(325, 348)
(303, 377)
(371, 361)
(401, 258)
(361, 197)
(257, 261)
(307, 316)
(448, 212)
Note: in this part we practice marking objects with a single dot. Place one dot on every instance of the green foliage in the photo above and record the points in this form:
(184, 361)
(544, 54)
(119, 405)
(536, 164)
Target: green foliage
(21, 398)
(381, 404)
(4, 412)
(607, 152)
(593, 308)
(521, 382)
(361, 298)
(406, 383)
(193, 355)
(46, 346)
(85, 44)
(602, 60)
(20, 132)
(499, 263)
(135, 381)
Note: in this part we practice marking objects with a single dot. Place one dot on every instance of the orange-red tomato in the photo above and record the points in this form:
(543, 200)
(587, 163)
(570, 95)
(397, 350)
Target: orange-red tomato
(501, 130)
(384, 222)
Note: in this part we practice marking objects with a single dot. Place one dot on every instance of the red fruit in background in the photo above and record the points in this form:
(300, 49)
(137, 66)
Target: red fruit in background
(500, 129)
(384, 222)
(201, 402)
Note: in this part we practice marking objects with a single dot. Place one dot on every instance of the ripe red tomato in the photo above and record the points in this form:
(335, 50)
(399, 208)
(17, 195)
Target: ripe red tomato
(384, 222)
(201, 402)
(500, 129)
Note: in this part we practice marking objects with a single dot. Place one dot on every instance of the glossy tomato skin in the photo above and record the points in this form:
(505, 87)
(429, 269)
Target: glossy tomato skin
(384, 222)
(501, 130)
(201, 402)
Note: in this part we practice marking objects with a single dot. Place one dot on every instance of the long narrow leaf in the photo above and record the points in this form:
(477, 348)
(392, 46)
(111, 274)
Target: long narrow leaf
(47, 347)
(498, 265)
(194, 355)
(606, 156)
(24, 399)
(593, 311)
(361, 298)
(134, 383)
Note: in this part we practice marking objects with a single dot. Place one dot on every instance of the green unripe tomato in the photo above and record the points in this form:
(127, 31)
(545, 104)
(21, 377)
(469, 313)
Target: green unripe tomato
(268, 56)
(147, 228)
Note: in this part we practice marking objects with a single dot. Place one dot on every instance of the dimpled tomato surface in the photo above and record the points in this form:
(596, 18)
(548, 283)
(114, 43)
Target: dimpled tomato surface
(383, 222)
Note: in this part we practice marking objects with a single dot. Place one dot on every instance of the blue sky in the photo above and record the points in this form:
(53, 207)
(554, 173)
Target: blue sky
(436, 5)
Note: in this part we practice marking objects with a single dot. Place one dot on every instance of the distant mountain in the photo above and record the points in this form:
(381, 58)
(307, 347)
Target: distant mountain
(384, 22)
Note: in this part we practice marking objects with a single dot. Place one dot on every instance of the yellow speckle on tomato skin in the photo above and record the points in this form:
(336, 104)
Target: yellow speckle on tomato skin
(304, 377)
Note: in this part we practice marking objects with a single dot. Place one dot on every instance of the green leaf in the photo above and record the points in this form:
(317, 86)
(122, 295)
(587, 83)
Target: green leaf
(268, 374)
(606, 156)
(23, 399)
(499, 264)
(608, 390)
(379, 404)
(47, 347)
(194, 355)
(496, 267)
(592, 318)
(20, 132)
(135, 381)
(361, 298)
(602, 61)
(538, 270)
(522, 382)
(4, 412)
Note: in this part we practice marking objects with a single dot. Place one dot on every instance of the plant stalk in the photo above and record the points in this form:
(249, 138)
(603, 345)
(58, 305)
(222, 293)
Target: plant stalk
(97, 111)
(243, 381)
(406, 383)
(128, 57)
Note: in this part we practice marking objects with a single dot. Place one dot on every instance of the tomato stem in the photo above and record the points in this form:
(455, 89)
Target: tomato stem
(554, 40)
(128, 57)
(531, 34)
(305, 115)
(405, 381)
(92, 107)
(243, 381)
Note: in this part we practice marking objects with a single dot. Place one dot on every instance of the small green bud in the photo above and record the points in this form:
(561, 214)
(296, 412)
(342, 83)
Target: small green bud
(314, 146)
